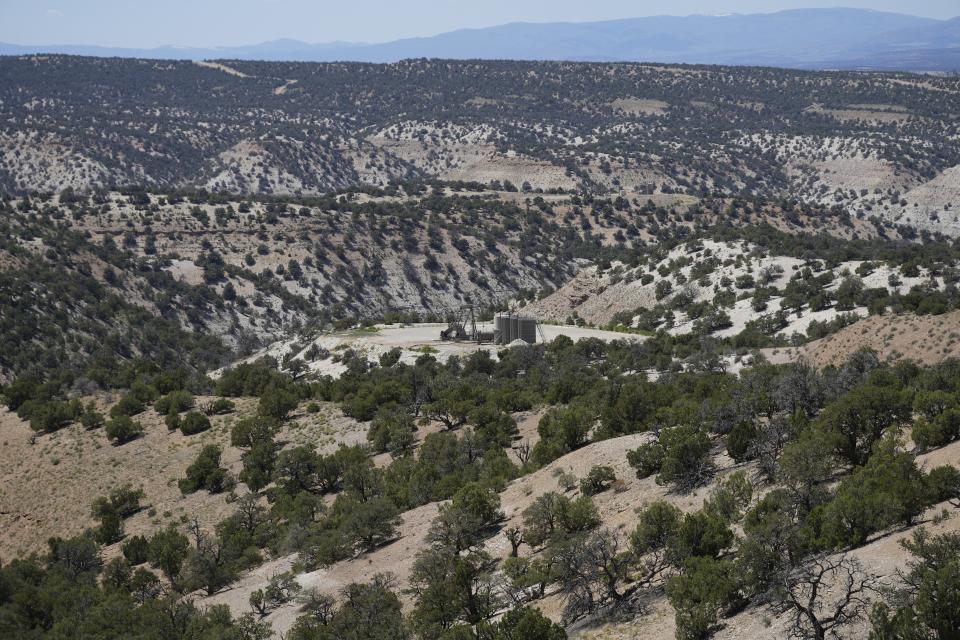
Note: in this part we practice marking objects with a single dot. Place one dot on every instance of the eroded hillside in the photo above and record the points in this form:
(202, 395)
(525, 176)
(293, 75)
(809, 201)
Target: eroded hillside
(883, 144)
(230, 413)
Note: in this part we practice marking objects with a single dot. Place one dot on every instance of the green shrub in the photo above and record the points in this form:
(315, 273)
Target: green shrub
(53, 415)
(206, 473)
(128, 405)
(372, 523)
(699, 594)
(391, 430)
(701, 534)
(248, 432)
(391, 357)
(646, 459)
(686, 457)
(938, 431)
(923, 603)
(193, 423)
(175, 401)
(110, 529)
(526, 623)
(888, 490)
(931, 404)
(740, 440)
(91, 418)
(258, 465)
(126, 500)
(598, 480)
(562, 430)
(662, 289)
(657, 528)
(122, 429)
(324, 549)
(135, 550)
(166, 550)
(277, 403)
(220, 406)
(860, 417)
(172, 420)
(942, 483)
(110, 511)
(250, 379)
(553, 514)
(462, 522)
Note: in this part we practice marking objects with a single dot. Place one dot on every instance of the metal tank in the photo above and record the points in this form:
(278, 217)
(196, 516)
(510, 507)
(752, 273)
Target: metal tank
(498, 329)
(528, 330)
(508, 327)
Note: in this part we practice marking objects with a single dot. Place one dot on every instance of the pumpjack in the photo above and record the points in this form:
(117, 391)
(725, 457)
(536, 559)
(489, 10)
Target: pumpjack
(462, 327)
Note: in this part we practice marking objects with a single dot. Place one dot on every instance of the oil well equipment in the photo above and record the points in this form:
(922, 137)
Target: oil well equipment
(509, 327)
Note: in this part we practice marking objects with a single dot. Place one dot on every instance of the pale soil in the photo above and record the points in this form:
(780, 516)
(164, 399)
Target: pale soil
(187, 271)
(466, 152)
(46, 488)
(527, 422)
(924, 339)
(597, 296)
(932, 205)
(286, 86)
(856, 173)
(93, 467)
(838, 170)
(249, 167)
(42, 162)
(882, 557)
(593, 298)
(219, 66)
(478, 162)
(628, 176)
(870, 113)
(617, 509)
(414, 340)
(640, 106)
(489, 165)
(879, 107)
(802, 323)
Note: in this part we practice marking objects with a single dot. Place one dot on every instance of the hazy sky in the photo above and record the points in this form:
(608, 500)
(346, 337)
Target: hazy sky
(150, 23)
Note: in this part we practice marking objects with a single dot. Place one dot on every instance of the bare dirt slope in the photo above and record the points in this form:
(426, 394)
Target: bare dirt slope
(932, 205)
(925, 339)
(45, 495)
(617, 509)
(882, 557)
(598, 296)
(47, 487)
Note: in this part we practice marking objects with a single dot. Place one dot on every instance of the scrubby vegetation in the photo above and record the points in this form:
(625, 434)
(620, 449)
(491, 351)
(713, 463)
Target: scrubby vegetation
(829, 445)
(118, 302)
(714, 130)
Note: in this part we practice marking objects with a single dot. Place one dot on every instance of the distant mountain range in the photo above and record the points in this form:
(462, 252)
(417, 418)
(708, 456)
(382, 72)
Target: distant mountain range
(805, 38)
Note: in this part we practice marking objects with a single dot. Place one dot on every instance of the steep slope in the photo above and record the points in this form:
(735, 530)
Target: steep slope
(924, 339)
(685, 281)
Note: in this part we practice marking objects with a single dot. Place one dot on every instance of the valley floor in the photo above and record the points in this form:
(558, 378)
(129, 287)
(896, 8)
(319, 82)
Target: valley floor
(415, 340)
